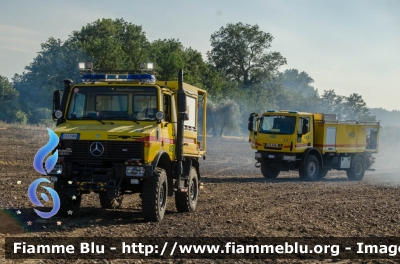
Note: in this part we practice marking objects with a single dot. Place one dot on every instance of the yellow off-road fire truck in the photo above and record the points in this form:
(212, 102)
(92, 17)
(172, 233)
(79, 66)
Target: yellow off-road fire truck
(312, 143)
(124, 133)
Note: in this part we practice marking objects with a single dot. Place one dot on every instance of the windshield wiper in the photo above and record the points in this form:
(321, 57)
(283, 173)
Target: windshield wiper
(101, 121)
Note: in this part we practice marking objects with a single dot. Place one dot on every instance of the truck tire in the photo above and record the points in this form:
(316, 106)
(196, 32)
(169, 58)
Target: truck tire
(154, 196)
(67, 204)
(309, 171)
(322, 173)
(357, 170)
(268, 172)
(107, 203)
(187, 201)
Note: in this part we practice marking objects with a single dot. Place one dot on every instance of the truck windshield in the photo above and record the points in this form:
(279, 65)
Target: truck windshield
(113, 103)
(271, 124)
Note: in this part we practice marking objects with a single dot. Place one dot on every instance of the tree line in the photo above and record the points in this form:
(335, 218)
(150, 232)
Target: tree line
(240, 73)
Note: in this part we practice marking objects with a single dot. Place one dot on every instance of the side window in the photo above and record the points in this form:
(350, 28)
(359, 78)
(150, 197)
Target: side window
(303, 125)
(167, 108)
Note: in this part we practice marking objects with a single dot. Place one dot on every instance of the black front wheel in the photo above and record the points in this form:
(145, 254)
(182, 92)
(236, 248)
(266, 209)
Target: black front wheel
(267, 171)
(187, 201)
(154, 196)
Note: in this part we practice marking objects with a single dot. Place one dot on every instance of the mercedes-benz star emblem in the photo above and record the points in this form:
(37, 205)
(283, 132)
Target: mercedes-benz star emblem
(96, 149)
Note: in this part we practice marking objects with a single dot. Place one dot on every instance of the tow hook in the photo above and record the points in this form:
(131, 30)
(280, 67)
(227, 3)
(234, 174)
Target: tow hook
(258, 164)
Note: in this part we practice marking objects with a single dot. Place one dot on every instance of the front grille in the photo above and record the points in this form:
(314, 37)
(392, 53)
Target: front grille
(113, 150)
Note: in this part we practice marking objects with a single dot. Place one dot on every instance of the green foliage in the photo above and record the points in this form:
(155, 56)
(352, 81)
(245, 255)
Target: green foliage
(331, 103)
(298, 82)
(239, 52)
(356, 108)
(55, 62)
(223, 117)
(113, 44)
(195, 68)
(169, 56)
(352, 107)
(9, 107)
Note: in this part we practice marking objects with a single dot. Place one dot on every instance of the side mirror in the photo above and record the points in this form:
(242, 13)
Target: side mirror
(251, 126)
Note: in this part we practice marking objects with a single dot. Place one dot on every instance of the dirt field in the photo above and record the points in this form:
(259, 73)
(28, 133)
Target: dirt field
(236, 201)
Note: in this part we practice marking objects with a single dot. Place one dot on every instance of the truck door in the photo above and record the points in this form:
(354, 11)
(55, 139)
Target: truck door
(168, 127)
(253, 127)
(304, 135)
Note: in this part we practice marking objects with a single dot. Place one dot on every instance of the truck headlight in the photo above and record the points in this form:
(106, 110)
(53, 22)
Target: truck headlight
(135, 171)
(258, 155)
(291, 158)
(58, 168)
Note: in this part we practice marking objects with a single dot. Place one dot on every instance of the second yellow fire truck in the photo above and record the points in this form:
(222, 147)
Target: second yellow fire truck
(312, 144)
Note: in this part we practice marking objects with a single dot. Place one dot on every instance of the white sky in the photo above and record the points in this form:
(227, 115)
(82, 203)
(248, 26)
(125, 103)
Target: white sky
(351, 46)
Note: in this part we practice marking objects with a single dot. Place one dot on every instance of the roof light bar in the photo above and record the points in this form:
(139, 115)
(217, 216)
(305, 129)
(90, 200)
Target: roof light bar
(134, 78)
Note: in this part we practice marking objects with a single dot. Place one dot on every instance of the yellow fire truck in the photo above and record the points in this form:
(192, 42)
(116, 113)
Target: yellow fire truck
(312, 143)
(123, 133)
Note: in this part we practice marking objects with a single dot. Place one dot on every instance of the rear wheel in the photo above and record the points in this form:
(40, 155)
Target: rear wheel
(267, 171)
(154, 196)
(357, 170)
(108, 203)
(309, 171)
(187, 201)
(69, 206)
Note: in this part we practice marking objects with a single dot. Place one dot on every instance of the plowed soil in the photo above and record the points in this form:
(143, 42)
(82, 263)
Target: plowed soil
(236, 200)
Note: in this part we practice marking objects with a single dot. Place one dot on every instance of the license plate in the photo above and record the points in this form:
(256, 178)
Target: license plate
(69, 136)
(271, 156)
(134, 181)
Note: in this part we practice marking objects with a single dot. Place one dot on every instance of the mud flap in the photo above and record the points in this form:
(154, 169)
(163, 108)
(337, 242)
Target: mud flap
(187, 164)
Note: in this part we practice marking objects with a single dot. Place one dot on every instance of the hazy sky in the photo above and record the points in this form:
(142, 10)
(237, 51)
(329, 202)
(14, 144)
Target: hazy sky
(351, 46)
